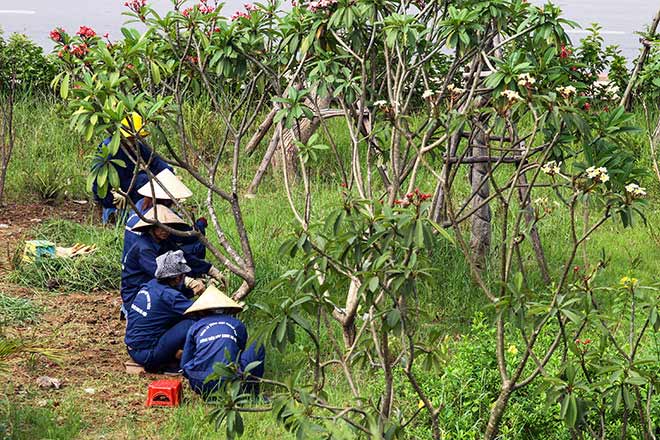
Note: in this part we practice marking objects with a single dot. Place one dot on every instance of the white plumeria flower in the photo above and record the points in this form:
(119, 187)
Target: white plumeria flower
(566, 91)
(599, 174)
(455, 90)
(511, 95)
(635, 190)
(381, 103)
(526, 80)
(551, 168)
(428, 93)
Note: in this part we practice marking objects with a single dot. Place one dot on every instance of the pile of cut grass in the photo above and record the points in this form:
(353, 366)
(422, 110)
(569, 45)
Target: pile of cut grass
(98, 271)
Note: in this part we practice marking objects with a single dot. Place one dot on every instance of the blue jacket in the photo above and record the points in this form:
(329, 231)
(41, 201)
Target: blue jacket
(126, 173)
(190, 245)
(139, 265)
(207, 341)
(156, 308)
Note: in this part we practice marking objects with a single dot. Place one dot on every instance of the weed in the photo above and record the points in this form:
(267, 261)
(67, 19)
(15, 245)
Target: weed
(17, 310)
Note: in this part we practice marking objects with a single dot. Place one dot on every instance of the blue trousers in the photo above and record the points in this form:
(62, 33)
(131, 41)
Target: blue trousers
(250, 354)
(163, 354)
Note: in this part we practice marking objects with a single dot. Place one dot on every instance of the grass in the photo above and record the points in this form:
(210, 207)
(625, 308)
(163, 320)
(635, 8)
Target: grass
(18, 422)
(453, 298)
(17, 310)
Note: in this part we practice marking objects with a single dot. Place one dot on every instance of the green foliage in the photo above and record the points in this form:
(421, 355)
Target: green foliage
(22, 59)
(98, 271)
(19, 422)
(15, 310)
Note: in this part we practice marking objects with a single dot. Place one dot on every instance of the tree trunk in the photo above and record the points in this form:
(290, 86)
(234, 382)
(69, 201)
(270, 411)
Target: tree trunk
(534, 236)
(302, 132)
(254, 141)
(626, 98)
(481, 219)
(6, 138)
(497, 412)
(265, 162)
(438, 208)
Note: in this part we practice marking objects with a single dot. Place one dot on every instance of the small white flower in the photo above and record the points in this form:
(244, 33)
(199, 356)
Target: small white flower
(526, 80)
(455, 90)
(428, 93)
(566, 91)
(635, 190)
(551, 168)
(381, 103)
(599, 174)
(511, 95)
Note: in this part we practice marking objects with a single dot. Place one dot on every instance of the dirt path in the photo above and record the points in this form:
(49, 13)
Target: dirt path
(84, 329)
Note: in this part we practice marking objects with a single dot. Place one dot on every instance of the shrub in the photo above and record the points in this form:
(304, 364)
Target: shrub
(22, 57)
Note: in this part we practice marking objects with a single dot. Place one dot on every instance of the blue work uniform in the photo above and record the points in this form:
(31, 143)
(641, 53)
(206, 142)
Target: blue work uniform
(189, 245)
(139, 265)
(155, 328)
(126, 174)
(210, 340)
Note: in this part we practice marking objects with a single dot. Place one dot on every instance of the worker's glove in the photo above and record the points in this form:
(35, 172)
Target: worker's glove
(197, 286)
(118, 200)
(217, 275)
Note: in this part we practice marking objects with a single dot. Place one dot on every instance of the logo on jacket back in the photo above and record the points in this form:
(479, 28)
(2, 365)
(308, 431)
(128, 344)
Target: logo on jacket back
(138, 308)
(218, 336)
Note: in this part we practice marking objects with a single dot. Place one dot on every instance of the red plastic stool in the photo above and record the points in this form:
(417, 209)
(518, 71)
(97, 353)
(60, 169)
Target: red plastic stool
(164, 392)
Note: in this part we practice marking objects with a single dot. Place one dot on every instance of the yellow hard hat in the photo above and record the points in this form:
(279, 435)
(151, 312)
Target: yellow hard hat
(138, 126)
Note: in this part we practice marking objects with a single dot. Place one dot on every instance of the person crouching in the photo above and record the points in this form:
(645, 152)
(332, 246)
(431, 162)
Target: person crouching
(156, 328)
(218, 336)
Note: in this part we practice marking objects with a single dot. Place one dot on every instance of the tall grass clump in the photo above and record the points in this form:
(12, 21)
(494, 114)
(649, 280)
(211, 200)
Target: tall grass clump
(98, 271)
(49, 161)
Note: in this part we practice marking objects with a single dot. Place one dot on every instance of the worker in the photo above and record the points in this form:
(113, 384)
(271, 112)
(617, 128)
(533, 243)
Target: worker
(139, 264)
(218, 336)
(156, 328)
(163, 185)
(126, 154)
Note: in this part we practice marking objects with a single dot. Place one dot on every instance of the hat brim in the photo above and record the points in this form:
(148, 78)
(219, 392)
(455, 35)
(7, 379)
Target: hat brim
(143, 226)
(164, 216)
(213, 299)
(155, 189)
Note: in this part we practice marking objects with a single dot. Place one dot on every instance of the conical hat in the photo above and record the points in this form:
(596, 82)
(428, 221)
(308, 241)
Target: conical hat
(162, 180)
(211, 299)
(165, 216)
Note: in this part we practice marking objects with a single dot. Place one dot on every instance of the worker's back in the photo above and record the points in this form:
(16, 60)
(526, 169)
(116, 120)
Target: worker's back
(156, 308)
(214, 338)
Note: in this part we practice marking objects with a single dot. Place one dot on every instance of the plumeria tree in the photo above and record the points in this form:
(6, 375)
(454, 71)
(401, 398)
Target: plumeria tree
(425, 91)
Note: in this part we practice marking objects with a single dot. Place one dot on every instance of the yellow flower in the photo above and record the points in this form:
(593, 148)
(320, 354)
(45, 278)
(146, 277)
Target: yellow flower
(628, 282)
(512, 350)
(420, 405)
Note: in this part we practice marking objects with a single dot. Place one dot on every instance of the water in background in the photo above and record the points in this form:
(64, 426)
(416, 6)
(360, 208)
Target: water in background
(619, 18)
